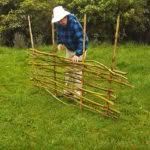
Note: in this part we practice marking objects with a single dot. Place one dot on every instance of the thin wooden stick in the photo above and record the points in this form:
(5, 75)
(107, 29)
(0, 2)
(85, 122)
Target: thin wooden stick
(53, 42)
(83, 58)
(30, 30)
(86, 99)
(96, 72)
(97, 65)
(113, 57)
(62, 86)
(115, 43)
(53, 34)
(112, 113)
(32, 43)
(84, 38)
(41, 86)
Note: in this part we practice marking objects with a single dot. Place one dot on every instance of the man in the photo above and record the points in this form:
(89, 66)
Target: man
(70, 35)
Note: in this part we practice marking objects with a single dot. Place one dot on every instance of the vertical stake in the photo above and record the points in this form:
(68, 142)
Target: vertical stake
(53, 34)
(83, 59)
(84, 38)
(32, 45)
(30, 30)
(115, 42)
(114, 56)
(53, 43)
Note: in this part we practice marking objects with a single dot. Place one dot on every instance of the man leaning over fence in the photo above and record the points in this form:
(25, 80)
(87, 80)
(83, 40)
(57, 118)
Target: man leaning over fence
(70, 36)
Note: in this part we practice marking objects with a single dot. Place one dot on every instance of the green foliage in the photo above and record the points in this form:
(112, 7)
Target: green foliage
(101, 20)
(10, 21)
(102, 14)
(3, 2)
(14, 17)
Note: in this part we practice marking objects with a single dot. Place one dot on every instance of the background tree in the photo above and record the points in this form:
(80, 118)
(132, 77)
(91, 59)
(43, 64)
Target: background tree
(135, 19)
(14, 20)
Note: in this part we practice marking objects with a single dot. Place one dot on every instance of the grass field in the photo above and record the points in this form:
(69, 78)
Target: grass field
(31, 119)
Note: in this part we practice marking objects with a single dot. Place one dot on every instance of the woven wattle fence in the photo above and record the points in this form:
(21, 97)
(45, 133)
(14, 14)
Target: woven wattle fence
(99, 83)
(49, 72)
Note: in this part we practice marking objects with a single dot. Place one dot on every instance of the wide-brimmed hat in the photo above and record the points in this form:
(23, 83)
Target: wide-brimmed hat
(59, 13)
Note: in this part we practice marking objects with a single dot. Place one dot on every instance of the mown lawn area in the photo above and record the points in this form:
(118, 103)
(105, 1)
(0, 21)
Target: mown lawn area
(31, 119)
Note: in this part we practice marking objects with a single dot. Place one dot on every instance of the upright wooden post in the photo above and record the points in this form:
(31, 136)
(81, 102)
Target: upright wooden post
(83, 58)
(53, 34)
(53, 42)
(30, 30)
(33, 56)
(115, 42)
(84, 38)
(113, 57)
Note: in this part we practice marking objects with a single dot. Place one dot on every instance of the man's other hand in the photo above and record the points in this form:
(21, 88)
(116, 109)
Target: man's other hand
(75, 58)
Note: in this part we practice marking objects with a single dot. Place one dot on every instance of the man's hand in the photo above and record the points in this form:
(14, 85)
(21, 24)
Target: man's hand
(60, 47)
(75, 58)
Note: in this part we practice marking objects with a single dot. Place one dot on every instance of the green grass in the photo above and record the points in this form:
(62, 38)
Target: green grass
(31, 119)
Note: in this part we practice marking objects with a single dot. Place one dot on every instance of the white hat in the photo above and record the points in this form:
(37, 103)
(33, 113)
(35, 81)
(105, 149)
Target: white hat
(59, 13)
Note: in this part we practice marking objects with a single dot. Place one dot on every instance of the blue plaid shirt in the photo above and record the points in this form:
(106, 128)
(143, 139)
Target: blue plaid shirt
(71, 35)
